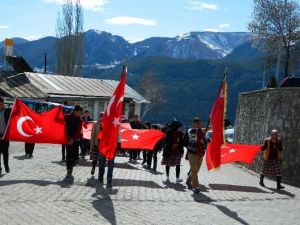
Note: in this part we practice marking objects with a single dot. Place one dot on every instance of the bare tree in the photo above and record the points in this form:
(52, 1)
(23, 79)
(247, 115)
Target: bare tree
(276, 25)
(69, 44)
(152, 90)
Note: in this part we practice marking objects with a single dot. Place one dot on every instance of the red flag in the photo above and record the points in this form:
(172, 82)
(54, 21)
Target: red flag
(111, 120)
(239, 153)
(140, 139)
(87, 129)
(28, 126)
(213, 155)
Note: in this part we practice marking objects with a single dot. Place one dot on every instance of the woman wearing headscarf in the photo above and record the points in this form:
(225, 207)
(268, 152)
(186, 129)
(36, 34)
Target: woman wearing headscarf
(173, 150)
(272, 158)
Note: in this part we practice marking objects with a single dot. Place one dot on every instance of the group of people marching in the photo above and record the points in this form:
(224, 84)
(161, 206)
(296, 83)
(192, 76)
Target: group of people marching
(172, 146)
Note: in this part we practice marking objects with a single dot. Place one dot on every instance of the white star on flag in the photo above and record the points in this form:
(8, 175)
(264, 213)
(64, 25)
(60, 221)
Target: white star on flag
(135, 137)
(116, 121)
(231, 150)
(38, 130)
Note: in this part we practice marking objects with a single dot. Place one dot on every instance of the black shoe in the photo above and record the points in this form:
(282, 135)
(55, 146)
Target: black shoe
(280, 187)
(93, 171)
(109, 184)
(189, 185)
(261, 181)
(197, 191)
(7, 170)
(30, 156)
(69, 173)
(100, 179)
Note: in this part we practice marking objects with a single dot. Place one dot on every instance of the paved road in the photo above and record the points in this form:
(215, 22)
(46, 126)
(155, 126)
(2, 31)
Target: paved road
(35, 192)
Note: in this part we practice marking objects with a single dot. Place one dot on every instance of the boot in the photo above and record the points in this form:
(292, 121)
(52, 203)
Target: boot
(69, 173)
(279, 183)
(261, 182)
(93, 170)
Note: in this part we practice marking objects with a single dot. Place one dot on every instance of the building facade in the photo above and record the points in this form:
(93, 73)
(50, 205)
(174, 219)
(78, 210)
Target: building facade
(91, 94)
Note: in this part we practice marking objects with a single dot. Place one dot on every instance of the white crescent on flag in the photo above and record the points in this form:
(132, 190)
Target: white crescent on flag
(20, 123)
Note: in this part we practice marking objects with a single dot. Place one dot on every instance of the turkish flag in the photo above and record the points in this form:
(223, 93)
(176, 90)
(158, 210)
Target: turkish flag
(111, 120)
(213, 155)
(140, 139)
(28, 126)
(239, 153)
(87, 129)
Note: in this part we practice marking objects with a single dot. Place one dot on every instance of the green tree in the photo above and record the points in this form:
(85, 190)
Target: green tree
(276, 26)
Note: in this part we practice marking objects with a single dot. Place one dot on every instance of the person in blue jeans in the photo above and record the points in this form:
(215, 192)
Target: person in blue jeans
(110, 169)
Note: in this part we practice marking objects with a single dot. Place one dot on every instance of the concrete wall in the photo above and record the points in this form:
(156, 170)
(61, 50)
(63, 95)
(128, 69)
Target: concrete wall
(261, 111)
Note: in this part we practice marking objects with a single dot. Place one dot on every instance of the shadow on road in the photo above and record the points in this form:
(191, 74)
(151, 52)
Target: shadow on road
(104, 204)
(92, 182)
(231, 214)
(202, 198)
(65, 183)
(86, 163)
(230, 187)
(21, 157)
(282, 192)
(175, 186)
(140, 183)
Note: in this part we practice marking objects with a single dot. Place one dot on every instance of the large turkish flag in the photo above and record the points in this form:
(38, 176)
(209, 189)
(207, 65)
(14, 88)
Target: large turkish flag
(111, 120)
(213, 155)
(239, 153)
(140, 139)
(28, 126)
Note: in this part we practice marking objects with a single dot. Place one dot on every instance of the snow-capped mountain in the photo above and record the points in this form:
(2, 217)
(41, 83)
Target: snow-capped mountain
(103, 48)
(193, 45)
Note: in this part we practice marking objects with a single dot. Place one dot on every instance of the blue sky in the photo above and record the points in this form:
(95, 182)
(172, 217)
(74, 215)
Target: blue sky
(135, 20)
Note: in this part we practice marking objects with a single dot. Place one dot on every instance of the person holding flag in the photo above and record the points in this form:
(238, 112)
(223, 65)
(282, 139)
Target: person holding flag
(110, 132)
(73, 128)
(195, 143)
(4, 144)
(218, 151)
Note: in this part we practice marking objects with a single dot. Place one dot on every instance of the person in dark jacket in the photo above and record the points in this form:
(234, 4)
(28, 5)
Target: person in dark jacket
(74, 130)
(173, 150)
(135, 124)
(4, 144)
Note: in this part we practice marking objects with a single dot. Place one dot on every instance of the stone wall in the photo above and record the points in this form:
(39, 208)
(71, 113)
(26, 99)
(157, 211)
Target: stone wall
(261, 111)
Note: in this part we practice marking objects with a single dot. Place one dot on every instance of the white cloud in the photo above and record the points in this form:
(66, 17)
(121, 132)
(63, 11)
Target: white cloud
(197, 5)
(224, 25)
(4, 27)
(92, 5)
(126, 20)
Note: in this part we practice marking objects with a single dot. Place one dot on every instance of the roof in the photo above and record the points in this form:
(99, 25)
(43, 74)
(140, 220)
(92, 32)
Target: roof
(37, 85)
(19, 64)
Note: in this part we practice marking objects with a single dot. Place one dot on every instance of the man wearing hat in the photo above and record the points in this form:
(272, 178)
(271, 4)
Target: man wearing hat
(74, 130)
